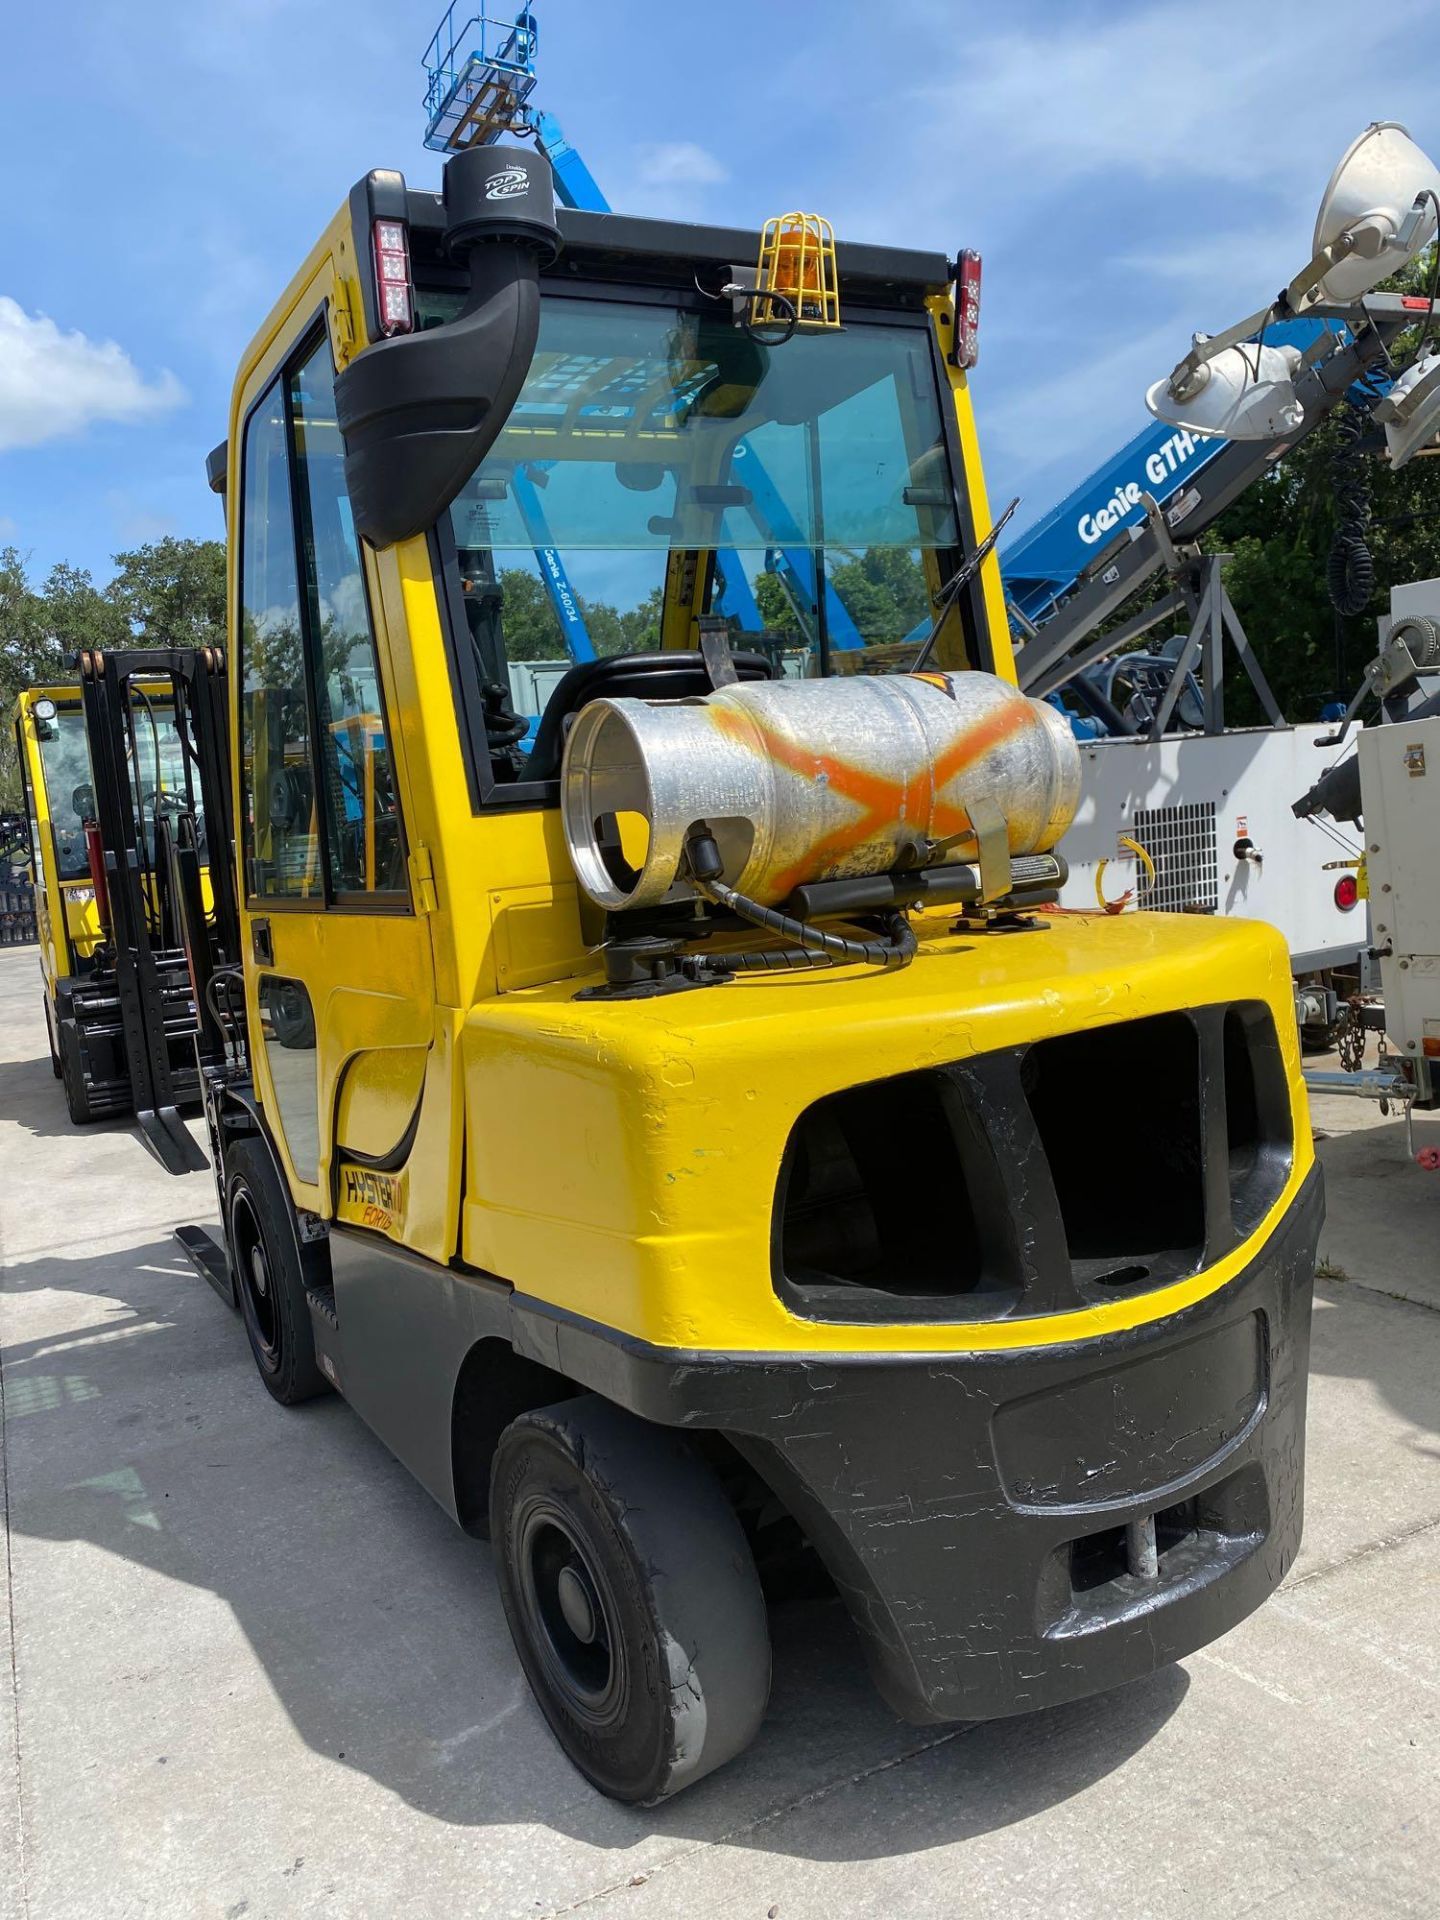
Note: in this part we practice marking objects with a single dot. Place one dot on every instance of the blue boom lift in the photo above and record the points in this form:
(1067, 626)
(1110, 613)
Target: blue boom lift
(1044, 563)
(480, 74)
(1143, 512)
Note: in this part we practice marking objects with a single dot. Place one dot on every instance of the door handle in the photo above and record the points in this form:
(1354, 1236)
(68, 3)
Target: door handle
(261, 945)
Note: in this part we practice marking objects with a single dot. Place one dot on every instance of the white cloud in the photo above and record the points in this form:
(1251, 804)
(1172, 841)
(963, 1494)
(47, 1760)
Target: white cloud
(135, 521)
(53, 384)
(1131, 174)
(1160, 94)
(680, 163)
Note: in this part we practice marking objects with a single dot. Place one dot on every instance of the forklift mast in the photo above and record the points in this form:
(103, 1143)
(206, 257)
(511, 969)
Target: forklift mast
(154, 865)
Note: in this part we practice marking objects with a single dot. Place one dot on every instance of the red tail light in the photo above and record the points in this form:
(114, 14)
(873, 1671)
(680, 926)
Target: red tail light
(394, 301)
(1347, 892)
(967, 310)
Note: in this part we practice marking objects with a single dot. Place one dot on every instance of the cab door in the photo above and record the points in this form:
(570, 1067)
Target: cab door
(340, 995)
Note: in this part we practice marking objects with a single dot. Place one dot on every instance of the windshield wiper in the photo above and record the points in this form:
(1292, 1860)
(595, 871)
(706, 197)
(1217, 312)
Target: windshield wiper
(960, 579)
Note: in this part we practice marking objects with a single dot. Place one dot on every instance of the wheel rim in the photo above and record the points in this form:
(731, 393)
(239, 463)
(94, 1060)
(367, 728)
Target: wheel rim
(257, 1284)
(570, 1615)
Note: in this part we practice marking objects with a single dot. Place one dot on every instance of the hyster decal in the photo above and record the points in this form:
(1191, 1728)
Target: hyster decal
(370, 1199)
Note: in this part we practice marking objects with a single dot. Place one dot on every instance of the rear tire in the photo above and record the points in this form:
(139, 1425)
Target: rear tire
(271, 1268)
(631, 1597)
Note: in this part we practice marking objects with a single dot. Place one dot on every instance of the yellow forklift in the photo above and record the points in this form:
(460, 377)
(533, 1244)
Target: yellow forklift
(123, 775)
(672, 1112)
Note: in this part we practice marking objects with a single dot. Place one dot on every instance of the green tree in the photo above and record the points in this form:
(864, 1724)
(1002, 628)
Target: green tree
(78, 614)
(884, 592)
(172, 592)
(29, 656)
(167, 593)
(775, 609)
(532, 630)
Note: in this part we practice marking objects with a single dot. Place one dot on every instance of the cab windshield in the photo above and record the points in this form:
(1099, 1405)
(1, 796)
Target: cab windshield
(802, 491)
(65, 761)
(157, 768)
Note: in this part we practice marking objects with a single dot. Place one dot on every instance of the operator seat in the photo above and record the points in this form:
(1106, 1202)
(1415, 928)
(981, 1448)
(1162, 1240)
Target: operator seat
(635, 676)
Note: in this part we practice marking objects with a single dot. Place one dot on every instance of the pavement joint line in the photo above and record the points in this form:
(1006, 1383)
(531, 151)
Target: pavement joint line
(642, 1875)
(1336, 1277)
(14, 1644)
(1387, 1543)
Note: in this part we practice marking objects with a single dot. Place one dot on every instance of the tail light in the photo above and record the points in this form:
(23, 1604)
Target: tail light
(967, 310)
(394, 301)
(1347, 892)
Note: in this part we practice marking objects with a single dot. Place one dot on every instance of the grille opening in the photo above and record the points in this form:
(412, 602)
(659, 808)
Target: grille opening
(1130, 1276)
(1118, 1111)
(873, 1207)
(1181, 842)
(1257, 1114)
(1098, 1559)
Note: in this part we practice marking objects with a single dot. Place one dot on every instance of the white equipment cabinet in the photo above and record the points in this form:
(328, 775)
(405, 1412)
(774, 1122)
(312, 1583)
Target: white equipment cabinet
(1213, 811)
(1400, 781)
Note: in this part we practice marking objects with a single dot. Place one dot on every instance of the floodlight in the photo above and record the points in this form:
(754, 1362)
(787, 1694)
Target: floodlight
(1378, 212)
(1244, 393)
(1410, 412)
(44, 709)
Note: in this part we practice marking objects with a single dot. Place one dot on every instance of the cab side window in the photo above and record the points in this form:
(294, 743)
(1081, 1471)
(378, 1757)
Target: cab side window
(321, 818)
(277, 777)
(362, 823)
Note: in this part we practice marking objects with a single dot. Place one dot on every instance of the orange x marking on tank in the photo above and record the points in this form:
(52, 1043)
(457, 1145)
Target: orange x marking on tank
(880, 799)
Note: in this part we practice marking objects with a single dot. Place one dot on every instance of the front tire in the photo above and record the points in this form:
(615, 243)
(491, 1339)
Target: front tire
(631, 1597)
(271, 1268)
(72, 1077)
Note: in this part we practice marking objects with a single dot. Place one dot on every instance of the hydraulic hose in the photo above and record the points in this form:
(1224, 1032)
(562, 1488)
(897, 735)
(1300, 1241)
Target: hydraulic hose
(1350, 567)
(897, 949)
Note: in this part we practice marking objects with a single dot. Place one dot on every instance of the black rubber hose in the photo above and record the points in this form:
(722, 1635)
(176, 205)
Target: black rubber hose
(770, 960)
(897, 950)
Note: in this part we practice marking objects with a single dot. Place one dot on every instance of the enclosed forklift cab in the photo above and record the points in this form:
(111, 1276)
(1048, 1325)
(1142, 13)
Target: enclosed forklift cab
(680, 1159)
(126, 780)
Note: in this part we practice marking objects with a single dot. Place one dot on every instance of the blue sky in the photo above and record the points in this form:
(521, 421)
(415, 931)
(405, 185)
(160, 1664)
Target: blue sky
(1130, 172)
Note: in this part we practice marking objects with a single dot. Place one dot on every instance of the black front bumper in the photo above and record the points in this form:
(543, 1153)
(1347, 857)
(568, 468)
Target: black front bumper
(973, 1508)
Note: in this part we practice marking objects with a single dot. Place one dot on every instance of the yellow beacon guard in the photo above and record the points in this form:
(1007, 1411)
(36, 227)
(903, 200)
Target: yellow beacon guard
(796, 274)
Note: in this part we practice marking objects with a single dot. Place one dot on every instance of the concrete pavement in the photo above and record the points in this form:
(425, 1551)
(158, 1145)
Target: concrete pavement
(257, 1673)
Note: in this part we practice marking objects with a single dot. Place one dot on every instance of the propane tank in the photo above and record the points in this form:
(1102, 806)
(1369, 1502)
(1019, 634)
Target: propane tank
(808, 780)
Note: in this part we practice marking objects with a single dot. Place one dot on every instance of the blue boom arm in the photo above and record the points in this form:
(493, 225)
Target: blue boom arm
(1045, 562)
(578, 188)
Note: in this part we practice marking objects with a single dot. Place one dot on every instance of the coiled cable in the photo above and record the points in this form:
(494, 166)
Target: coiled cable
(1350, 565)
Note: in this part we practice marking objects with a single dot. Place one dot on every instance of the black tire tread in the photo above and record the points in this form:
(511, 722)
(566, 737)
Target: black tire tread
(688, 1572)
(72, 1079)
(298, 1377)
